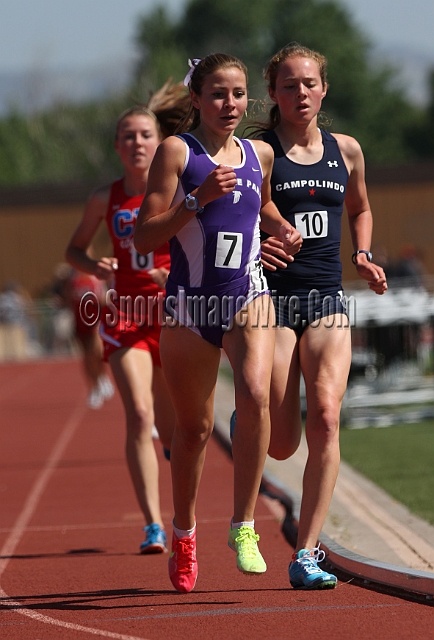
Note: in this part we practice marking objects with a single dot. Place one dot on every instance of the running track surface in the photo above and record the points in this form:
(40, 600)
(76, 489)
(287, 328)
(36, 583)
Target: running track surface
(70, 530)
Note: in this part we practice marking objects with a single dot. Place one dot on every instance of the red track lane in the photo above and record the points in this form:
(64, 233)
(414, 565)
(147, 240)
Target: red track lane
(70, 530)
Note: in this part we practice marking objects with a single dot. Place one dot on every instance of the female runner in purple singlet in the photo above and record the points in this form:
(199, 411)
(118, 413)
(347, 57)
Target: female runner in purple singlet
(208, 192)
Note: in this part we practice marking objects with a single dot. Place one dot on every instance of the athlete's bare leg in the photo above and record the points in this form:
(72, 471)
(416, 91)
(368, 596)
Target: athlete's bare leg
(285, 409)
(190, 366)
(133, 372)
(92, 358)
(165, 416)
(250, 351)
(325, 358)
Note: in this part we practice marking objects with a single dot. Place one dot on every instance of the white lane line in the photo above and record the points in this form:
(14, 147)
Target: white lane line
(39, 487)
(66, 625)
(74, 527)
(112, 525)
(24, 518)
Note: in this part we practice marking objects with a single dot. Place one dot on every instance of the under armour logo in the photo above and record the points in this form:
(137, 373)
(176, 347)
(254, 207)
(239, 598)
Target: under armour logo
(332, 164)
(237, 196)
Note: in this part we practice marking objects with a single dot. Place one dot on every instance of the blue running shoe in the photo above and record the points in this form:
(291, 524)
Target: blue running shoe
(304, 572)
(232, 423)
(155, 541)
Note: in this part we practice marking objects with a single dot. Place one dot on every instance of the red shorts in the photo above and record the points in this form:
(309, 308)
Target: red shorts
(82, 330)
(121, 336)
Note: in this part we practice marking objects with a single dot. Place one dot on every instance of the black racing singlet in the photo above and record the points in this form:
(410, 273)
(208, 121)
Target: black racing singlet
(311, 198)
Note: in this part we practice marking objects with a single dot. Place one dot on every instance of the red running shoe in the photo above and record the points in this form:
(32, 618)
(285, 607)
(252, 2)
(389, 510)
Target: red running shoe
(183, 564)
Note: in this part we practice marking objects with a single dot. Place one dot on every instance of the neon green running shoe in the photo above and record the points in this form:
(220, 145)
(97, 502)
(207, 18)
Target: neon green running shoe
(244, 541)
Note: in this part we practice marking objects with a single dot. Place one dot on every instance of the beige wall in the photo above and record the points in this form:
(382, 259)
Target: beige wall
(403, 213)
(33, 239)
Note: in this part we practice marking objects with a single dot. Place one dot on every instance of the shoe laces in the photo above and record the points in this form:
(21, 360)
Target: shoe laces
(310, 560)
(248, 539)
(185, 558)
(152, 529)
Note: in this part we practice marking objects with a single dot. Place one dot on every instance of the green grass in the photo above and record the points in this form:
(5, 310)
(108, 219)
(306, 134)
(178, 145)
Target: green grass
(400, 459)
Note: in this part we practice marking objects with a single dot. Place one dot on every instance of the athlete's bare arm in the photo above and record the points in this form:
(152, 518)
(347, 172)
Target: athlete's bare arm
(272, 254)
(158, 221)
(76, 252)
(359, 212)
(159, 276)
(286, 237)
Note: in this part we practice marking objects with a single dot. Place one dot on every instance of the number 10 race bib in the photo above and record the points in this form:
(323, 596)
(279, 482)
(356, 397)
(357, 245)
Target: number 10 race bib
(312, 224)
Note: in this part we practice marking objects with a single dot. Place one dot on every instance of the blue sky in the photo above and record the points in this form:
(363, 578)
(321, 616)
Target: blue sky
(68, 32)
(53, 34)
(406, 23)
(81, 32)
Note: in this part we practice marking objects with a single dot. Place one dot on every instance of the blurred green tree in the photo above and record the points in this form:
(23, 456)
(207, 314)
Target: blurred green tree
(420, 132)
(75, 142)
(66, 143)
(364, 100)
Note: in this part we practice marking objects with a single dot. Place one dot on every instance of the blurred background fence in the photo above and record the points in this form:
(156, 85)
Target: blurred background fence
(35, 329)
(389, 333)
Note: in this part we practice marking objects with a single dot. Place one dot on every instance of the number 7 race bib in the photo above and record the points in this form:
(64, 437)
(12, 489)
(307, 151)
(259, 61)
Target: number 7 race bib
(312, 224)
(229, 250)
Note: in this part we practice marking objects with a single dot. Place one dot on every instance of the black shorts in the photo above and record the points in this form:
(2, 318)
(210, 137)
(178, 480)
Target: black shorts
(302, 308)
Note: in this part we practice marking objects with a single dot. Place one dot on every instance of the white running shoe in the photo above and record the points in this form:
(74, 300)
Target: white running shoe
(105, 386)
(95, 399)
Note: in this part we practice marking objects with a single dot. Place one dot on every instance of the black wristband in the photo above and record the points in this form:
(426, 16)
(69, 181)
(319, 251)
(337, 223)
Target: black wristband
(356, 253)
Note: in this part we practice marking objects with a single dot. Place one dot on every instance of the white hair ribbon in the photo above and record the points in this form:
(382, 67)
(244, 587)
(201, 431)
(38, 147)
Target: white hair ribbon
(192, 64)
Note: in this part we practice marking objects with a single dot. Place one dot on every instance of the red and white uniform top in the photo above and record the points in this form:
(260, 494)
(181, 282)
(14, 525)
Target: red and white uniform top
(132, 277)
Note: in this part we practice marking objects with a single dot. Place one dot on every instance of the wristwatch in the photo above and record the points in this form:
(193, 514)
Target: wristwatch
(368, 254)
(192, 203)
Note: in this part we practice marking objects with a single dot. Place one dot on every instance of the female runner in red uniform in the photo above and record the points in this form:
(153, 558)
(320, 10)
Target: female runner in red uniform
(130, 327)
(72, 288)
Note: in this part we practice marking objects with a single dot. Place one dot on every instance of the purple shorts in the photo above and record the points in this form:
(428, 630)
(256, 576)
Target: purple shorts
(210, 311)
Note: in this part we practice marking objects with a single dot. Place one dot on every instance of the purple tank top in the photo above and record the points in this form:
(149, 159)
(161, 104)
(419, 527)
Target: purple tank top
(220, 244)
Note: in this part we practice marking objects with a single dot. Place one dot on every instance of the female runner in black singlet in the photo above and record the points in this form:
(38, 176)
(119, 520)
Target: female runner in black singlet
(314, 174)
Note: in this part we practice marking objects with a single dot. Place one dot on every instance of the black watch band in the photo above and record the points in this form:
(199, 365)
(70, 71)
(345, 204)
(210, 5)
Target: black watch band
(368, 254)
